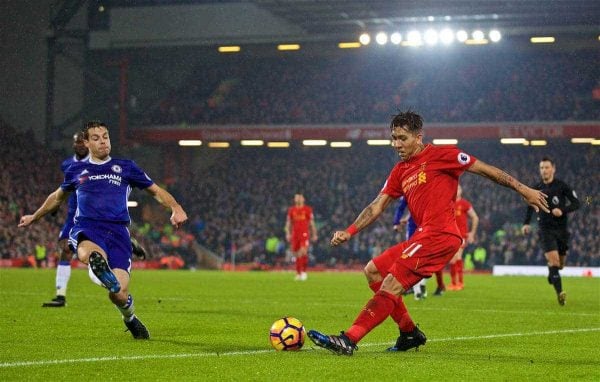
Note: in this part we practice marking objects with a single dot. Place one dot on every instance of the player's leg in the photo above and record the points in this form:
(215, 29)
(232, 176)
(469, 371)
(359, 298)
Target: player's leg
(303, 260)
(460, 266)
(441, 287)
(63, 274)
(90, 253)
(554, 276)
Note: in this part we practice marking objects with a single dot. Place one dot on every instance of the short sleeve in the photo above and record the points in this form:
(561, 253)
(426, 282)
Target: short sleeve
(455, 160)
(138, 178)
(392, 185)
(70, 181)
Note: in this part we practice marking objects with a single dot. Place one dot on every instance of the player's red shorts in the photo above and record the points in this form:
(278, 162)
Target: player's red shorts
(419, 257)
(299, 241)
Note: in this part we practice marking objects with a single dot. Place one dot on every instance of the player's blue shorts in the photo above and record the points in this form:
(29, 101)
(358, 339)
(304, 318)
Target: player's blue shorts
(113, 238)
(66, 228)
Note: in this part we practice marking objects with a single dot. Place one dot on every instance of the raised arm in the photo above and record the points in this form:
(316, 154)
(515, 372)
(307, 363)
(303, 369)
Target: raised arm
(536, 199)
(366, 217)
(178, 215)
(51, 204)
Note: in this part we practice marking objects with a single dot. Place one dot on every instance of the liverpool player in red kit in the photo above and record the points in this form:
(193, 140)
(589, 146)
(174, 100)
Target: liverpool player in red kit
(299, 219)
(427, 177)
(463, 209)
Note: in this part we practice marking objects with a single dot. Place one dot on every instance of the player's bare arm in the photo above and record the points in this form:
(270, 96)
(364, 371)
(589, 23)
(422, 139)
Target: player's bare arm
(474, 224)
(366, 217)
(51, 204)
(288, 229)
(178, 215)
(536, 199)
(313, 228)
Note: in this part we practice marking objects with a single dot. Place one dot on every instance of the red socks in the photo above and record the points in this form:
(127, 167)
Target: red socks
(459, 270)
(375, 312)
(453, 274)
(301, 264)
(402, 318)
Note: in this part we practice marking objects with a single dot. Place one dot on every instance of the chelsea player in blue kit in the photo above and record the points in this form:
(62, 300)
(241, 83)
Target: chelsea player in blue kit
(100, 236)
(63, 268)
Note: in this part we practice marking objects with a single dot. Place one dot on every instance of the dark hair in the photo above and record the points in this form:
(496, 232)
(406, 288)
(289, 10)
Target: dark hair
(547, 159)
(92, 125)
(409, 119)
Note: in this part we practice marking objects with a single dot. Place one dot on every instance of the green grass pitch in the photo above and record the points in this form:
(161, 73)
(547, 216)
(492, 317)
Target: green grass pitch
(208, 326)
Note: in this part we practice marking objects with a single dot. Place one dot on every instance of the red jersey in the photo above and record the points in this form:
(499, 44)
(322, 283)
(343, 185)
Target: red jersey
(300, 218)
(461, 209)
(429, 181)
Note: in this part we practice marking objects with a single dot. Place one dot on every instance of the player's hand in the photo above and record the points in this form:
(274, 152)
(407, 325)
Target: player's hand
(397, 228)
(288, 237)
(178, 217)
(536, 199)
(340, 237)
(25, 220)
(526, 229)
(314, 238)
(470, 238)
(557, 212)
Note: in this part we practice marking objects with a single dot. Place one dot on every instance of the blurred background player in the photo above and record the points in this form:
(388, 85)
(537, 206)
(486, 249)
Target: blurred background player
(554, 236)
(63, 267)
(299, 219)
(463, 209)
(401, 221)
(100, 235)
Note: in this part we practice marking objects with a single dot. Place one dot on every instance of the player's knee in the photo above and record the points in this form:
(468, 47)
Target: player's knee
(391, 285)
(371, 273)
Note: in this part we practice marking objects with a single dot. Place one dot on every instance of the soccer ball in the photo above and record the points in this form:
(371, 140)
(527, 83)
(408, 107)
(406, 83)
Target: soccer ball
(287, 333)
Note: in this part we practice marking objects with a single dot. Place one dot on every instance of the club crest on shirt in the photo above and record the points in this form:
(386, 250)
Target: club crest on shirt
(463, 158)
(116, 168)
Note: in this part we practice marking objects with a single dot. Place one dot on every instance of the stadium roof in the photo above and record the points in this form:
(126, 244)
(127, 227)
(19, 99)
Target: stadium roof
(339, 17)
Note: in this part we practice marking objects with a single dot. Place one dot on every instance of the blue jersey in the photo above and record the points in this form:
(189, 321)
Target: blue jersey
(412, 226)
(103, 189)
(72, 202)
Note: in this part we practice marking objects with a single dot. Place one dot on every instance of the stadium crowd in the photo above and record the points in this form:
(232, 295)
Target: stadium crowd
(298, 89)
(238, 200)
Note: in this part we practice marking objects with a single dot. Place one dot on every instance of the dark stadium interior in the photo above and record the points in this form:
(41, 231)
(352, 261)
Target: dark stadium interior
(237, 198)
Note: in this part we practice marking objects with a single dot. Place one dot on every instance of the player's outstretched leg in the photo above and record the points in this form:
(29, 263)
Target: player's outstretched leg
(409, 340)
(137, 249)
(340, 345)
(102, 271)
(562, 298)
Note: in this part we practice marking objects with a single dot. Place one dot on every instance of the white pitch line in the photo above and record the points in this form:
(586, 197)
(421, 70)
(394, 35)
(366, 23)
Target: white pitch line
(253, 352)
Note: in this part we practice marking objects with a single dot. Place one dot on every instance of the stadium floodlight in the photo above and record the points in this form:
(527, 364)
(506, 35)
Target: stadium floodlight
(513, 141)
(190, 142)
(446, 36)
(314, 142)
(379, 142)
(229, 49)
(495, 35)
(381, 38)
(252, 142)
(542, 40)
(218, 145)
(595, 142)
(462, 35)
(414, 36)
(364, 39)
(285, 47)
(538, 142)
(278, 145)
(349, 45)
(340, 144)
(431, 37)
(445, 141)
(396, 38)
(478, 35)
(132, 203)
(582, 140)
